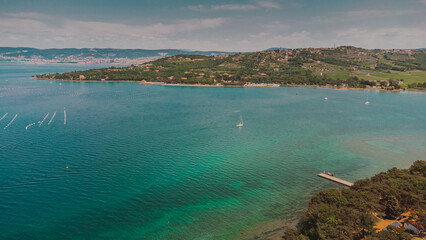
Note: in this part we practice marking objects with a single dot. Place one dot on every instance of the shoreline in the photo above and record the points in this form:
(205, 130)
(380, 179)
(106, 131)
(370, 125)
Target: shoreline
(274, 85)
(271, 230)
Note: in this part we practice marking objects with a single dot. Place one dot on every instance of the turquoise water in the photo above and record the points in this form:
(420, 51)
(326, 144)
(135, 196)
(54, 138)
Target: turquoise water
(155, 162)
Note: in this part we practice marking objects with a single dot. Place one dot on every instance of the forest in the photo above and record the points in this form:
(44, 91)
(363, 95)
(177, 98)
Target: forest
(351, 213)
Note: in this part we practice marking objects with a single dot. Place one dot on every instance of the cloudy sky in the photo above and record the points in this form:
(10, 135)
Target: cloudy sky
(239, 25)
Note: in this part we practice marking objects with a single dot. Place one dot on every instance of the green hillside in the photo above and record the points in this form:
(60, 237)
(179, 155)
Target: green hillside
(359, 212)
(342, 66)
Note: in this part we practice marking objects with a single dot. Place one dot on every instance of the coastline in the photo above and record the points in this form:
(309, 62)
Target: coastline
(270, 230)
(94, 81)
(239, 86)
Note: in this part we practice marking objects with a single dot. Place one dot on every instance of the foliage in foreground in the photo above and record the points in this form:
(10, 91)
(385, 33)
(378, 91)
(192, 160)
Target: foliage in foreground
(349, 213)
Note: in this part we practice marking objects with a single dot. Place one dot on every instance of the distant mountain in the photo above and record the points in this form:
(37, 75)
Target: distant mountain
(275, 48)
(23, 54)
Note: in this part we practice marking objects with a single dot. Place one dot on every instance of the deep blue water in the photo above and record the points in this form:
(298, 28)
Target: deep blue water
(156, 162)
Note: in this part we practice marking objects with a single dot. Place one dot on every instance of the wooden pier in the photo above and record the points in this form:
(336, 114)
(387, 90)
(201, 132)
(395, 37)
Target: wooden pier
(335, 179)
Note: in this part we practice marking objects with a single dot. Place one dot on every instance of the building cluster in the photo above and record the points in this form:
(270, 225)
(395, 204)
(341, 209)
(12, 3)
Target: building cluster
(399, 51)
(408, 220)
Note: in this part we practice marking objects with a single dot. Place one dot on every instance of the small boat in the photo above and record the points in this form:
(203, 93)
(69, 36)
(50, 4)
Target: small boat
(367, 102)
(325, 98)
(241, 124)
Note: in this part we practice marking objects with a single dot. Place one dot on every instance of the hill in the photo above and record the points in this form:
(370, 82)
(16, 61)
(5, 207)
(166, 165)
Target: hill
(398, 196)
(342, 67)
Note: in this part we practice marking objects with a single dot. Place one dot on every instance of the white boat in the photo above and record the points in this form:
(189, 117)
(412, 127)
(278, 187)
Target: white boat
(241, 124)
(325, 98)
(367, 102)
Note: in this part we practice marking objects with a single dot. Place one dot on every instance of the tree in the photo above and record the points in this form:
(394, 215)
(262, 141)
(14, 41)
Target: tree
(394, 83)
(393, 209)
(331, 196)
(393, 233)
(366, 225)
(418, 168)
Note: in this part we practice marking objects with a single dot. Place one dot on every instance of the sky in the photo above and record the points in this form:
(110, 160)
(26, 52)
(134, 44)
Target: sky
(238, 25)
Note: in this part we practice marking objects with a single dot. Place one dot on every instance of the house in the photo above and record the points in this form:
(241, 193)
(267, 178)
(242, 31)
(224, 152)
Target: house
(407, 220)
(381, 226)
(416, 229)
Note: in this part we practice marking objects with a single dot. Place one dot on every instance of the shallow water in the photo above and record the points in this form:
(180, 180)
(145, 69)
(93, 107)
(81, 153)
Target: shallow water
(155, 162)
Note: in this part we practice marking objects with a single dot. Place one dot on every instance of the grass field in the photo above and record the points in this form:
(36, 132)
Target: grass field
(416, 76)
(408, 77)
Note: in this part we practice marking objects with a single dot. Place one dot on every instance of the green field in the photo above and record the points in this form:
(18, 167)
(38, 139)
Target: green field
(408, 77)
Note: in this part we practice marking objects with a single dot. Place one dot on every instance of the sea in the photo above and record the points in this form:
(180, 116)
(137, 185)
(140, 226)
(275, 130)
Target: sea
(84, 160)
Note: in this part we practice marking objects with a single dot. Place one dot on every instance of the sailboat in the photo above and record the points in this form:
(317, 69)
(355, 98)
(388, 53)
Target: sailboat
(367, 102)
(241, 124)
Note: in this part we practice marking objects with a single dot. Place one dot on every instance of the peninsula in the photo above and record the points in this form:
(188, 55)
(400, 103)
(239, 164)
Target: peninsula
(341, 67)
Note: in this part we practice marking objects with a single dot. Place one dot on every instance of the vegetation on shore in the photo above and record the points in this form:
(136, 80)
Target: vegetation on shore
(340, 67)
(351, 213)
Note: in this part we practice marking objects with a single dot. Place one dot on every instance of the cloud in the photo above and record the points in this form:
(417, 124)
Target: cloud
(276, 26)
(259, 35)
(196, 7)
(77, 33)
(235, 7)
(392, 37)
(33, 15)
(76, 26)
(289, 39)
(267, 4)
(381, 13)
(243, 7)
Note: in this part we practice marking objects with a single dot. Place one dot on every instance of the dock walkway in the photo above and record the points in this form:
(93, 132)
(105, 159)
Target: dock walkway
(335, 179)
